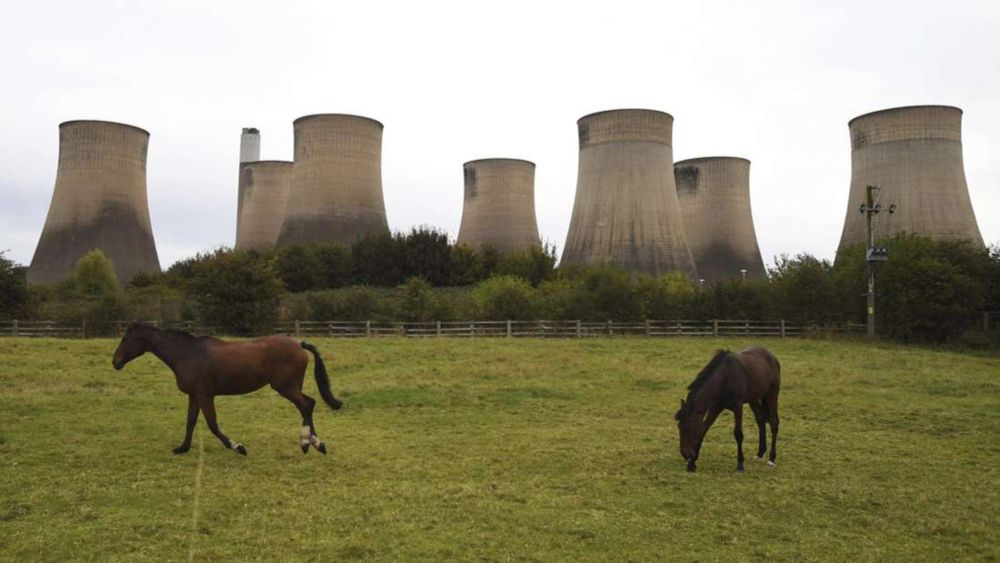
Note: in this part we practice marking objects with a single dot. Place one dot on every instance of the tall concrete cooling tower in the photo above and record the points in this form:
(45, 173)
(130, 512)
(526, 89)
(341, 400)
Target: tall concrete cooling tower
(626, 210)
(714, 196)
(915, 155)
(499, 208)
(263, 193)
(99, 202)
(336, 188)
(249, 152)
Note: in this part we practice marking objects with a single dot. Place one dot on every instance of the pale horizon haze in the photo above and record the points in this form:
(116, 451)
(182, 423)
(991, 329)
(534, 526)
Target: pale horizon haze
(774, 82)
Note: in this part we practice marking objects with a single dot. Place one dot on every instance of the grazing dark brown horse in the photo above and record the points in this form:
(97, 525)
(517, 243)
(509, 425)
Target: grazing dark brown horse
(728, 381)
(206, 366)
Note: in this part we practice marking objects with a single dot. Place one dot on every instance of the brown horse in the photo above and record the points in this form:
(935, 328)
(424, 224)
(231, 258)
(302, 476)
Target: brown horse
(206, 366)
(728, 381)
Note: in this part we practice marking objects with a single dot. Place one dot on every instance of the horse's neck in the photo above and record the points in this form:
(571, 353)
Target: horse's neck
(167, 348)
(706, 394)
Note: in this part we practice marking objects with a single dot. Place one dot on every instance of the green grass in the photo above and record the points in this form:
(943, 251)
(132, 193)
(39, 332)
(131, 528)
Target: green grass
(503, 450)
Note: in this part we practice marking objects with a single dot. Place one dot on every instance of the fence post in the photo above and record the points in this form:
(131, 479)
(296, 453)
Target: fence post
(83, 329)
(368, 329)
(647, 327)
(610, 330)
(579, 328)
(297, 328)
(782, 328)
(715, 327)
(14, 328)
(439, 329)
(508, 328)
(746, 326)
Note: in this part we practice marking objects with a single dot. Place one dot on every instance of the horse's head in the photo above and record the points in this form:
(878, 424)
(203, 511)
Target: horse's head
(133, 345)
(692, 430)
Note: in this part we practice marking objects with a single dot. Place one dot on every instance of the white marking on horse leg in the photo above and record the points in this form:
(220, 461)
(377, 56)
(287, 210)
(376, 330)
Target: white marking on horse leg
(234, 445)
(304, 434)
(771, 463)
(315, 441)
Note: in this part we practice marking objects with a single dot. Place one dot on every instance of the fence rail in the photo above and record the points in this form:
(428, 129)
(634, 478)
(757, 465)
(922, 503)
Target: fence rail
(470, 329)
(42, 329)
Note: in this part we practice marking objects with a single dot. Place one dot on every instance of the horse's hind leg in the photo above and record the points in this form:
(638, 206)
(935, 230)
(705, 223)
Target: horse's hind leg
(307, 433)
(760, 415)
(771, 402)
(207, 404)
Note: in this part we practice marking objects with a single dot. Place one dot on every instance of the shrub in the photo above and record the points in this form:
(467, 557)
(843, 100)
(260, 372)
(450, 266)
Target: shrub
(236, 292)
(505, 298)
(418, 301)
(669, 296)
(94, 275)
(14, 295)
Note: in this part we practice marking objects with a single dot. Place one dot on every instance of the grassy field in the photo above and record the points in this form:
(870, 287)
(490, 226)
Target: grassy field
(502, 450)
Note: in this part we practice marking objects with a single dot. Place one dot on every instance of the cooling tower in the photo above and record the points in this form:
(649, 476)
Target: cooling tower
(714, 197)
(263, 193)
(336, 188)
(99, 202)
(915, 155)
(626, 209)
(249, 152)
(250, 145)
(499, 209)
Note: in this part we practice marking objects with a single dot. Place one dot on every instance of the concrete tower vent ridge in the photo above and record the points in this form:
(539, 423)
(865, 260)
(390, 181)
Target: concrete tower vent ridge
(263, 193)
(99, 202)
(626, 210)
(914, 154)
(714, 197)
(335, 194)
(499, 205)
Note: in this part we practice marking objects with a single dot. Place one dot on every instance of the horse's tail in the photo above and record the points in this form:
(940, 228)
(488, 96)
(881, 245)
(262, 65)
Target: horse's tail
(322, 380)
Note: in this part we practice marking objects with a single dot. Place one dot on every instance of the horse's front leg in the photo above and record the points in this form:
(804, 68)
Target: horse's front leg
(207, 404)
(192, 418)
(738, 434)
(713, 413)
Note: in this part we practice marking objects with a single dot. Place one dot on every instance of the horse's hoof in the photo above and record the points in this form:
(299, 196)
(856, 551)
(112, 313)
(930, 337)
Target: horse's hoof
(181, 450)
(759, 458)
(305, 448)
(241, 450)
(691, 469)
(771, 463)
(740, 470)
(322, 448)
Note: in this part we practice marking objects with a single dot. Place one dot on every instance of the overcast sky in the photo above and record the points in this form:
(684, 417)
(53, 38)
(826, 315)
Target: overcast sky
(775, 82)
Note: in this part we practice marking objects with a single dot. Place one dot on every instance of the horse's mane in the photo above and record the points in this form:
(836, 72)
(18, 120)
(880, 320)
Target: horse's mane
(168, 332)
(708, 370)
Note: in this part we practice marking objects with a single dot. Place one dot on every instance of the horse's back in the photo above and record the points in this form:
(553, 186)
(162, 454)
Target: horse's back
(269, 354)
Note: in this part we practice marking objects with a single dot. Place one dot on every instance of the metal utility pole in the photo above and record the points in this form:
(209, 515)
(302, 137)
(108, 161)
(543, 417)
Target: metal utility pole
(873, 254)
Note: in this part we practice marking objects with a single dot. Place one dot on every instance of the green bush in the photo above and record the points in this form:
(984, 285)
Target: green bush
(418, 304)
(666, 297)
(94, 275)
(236, 292)
(14, 295)
(505, 298)
(562, 299)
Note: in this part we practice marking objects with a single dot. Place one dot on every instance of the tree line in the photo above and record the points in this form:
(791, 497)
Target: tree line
(929, 291)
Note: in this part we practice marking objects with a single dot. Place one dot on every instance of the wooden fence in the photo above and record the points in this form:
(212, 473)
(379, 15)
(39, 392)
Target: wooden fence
(539, 329)
(473, 329)
(47, 329)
